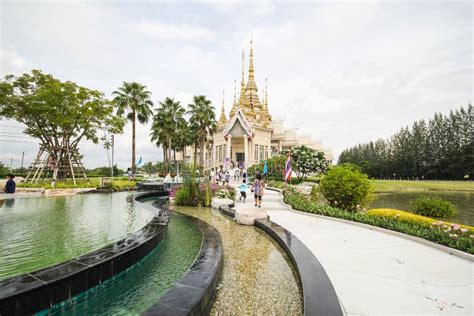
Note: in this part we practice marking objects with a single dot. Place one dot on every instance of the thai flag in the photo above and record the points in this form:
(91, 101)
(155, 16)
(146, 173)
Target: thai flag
(287, 175)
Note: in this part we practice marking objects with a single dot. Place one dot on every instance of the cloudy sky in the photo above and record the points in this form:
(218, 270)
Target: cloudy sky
(343, 72)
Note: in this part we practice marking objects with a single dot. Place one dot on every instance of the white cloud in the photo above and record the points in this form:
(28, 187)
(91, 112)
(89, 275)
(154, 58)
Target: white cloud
(173, 32)
(11, 62)
(342, 72)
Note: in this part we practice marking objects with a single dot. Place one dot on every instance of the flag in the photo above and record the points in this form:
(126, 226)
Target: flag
(287, 175)
(265, 168)
(139, 162)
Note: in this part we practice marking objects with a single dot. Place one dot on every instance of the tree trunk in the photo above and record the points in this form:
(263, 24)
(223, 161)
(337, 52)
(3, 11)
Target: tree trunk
(164, 153)
(201, 154)
(133, 141)
(195, 154)
(169, 147)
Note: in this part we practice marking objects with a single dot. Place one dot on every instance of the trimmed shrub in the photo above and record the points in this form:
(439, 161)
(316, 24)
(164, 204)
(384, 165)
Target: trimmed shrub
(345, 187)
(434, 207)
(412, 218)
(451, 235)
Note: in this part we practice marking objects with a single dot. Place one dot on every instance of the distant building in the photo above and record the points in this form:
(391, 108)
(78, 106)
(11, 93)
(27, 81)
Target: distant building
(249, 134)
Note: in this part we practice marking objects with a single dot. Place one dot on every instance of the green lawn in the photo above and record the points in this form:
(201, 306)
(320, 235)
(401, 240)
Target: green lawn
(400, 185)
(118, 183)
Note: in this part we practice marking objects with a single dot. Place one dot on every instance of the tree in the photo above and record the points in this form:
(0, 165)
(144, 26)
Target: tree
(59, 114)
(203, 123)
(150, 168)
(441, 148)
(184, 137)
(167, 121)
(133, 98)
(307, 161)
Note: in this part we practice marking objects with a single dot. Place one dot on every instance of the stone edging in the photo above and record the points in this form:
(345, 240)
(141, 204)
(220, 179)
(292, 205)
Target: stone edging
(36, 291)
(448, 250)
(319, 296)
(195, 292)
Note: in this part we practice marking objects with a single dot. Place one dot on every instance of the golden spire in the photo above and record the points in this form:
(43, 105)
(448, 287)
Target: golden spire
(251, 69)
(235, 91)
(266, 95)
(242, 83)
(222, 119)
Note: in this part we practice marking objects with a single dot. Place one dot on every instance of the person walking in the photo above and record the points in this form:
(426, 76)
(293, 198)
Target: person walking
(10, 186)
(227, 178)
(243, 190)
(131, 174)
(213, 176)
(258, 188)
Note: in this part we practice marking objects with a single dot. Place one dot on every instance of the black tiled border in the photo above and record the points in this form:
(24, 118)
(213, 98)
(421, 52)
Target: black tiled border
(319, 296)
(194, 293)
(39, 290)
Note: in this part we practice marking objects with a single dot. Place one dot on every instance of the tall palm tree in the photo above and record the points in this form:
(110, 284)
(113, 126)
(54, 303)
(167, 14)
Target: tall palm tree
(184, 138)
(203, 121)
(134, 98)
(168, 117)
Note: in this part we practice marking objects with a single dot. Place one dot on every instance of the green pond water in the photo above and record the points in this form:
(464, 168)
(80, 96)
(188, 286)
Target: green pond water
(38, 232)
(258, 277)
(137, 289)
(463, 200)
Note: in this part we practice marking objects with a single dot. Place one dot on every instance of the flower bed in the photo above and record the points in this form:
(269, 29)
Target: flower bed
(442, 233)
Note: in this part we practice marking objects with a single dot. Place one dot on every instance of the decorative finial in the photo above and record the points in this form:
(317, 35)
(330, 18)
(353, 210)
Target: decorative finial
(266, 94)
(243, 69)
(235, 91)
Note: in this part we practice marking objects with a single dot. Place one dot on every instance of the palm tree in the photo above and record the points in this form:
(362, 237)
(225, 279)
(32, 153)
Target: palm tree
(203, 122)
(168, 117)
(184, 137)
(133, 98)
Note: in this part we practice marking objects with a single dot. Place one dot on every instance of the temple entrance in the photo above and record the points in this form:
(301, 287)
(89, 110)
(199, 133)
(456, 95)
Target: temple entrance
(240, 157)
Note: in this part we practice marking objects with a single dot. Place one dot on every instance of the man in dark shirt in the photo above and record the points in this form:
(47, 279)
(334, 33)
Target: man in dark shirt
(10, 186)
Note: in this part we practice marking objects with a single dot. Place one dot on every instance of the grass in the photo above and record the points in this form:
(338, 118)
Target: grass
(401, 185)
(117, 184)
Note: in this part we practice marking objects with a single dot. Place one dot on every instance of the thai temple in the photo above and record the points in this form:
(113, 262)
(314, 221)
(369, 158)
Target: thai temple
(249, 134)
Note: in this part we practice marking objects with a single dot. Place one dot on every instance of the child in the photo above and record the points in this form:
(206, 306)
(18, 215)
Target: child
(243, 190)
(227, 177)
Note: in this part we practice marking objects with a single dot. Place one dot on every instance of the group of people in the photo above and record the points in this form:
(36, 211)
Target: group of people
(220, 176)
(257, 188)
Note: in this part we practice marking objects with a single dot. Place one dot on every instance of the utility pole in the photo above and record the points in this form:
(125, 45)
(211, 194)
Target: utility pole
(112, 171)
(22, 159)
(11, 165)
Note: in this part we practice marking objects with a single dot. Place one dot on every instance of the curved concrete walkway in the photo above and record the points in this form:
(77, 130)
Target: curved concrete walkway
(375, 273)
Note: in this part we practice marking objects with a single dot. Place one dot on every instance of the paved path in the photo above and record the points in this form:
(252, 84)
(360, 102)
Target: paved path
(376, 273)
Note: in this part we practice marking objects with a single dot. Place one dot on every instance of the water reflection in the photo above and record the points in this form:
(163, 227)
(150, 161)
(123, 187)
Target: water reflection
(40, 231)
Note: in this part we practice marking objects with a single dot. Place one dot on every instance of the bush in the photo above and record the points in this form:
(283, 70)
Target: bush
(451, 235)
(411, 218)
(345, 187)
(434, 207)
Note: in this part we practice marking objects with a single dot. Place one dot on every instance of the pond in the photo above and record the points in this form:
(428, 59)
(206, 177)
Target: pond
(134, 291)
(258, 277)
(37, 232)
(463, 200)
